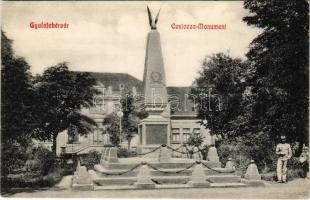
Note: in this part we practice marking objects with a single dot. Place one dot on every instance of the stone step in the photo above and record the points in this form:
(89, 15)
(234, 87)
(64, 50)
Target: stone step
(227, 185)
(170, 165)
(101, 171)
(219, 171)
(188, 172)
(131, 180)
(162, 180)
(224, 179)
(169, 186)
(115, 181)
(114, 187)
(170, 179)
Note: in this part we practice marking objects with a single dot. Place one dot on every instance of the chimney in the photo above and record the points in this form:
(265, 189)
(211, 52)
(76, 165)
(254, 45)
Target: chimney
(134, 91)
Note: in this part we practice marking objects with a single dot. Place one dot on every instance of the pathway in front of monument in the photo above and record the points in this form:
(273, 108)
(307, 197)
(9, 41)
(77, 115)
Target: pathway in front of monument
(298, 188)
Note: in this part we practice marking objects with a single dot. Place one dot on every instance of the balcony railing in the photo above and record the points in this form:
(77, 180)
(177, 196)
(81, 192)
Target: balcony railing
(75, 147)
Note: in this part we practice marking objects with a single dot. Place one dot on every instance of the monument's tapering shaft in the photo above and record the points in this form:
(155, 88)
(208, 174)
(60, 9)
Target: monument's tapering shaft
(154, 79)
(154, 130)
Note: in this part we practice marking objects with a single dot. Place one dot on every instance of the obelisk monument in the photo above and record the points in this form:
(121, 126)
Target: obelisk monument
(155, 129)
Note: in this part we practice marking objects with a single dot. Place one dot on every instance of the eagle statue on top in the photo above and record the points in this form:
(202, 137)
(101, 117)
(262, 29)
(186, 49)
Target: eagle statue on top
(152, 23)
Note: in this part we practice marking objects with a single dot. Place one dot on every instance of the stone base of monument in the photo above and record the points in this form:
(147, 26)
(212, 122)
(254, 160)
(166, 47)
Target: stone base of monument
(82, 180)
(198, 178)
(252, 176)
(144, 180)
(82, 187)
(133, 179)
(214, 164)
(255, 183)
(144, 185)
(159, 172)
(198, 185)
(213, 157)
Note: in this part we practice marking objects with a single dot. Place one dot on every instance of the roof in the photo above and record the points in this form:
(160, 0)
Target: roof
(178, 97)
(180, 102)
(115, 79)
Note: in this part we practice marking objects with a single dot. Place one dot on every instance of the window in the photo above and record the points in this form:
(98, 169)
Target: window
(99, 105)
(99, 102)
(121, 86)
(98, 132)
(196, 131)
(73, 136)
(186, 134)
(98, 109)
(117, 106)
(175, 135)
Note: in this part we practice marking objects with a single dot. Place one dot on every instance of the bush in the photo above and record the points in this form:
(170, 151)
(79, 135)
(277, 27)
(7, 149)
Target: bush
(108, 145)
(40, 161)
(293, 163)
(269, 176)
(294, 173)
(295, 170)
(236, 151)
(243, 149)
(46, 159)
(29, 181)
(125, 153)
(195, 140)
(91, 159)
(53, 178)
(13, 158)
(291, 175)
(39, 170)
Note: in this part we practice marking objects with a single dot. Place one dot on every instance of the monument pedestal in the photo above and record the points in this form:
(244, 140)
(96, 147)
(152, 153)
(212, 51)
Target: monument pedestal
(252, 176)
(153, 132)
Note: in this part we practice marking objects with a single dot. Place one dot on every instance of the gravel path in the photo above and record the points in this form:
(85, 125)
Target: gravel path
(298, 188)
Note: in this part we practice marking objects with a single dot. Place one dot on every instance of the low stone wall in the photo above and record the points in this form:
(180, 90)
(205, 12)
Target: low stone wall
(109, 154)
(82, 180)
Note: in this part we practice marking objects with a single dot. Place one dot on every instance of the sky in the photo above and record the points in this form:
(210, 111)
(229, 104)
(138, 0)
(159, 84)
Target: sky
(111, 36)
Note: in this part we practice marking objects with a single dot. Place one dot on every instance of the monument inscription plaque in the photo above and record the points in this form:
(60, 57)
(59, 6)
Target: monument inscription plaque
(157, 134)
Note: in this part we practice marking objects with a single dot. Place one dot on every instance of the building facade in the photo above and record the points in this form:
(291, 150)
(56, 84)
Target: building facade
(183, 115)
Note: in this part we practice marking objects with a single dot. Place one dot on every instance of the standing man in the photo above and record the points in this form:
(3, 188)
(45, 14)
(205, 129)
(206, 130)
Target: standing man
(285, 153)
(304, 161)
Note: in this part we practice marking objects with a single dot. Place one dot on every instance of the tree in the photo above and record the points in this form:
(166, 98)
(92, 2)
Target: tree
(16, 107)
(229, 110)
(112, 124)
(218, 91)
(130, 118)
(60, 96)
(279, 57)
(16, 95)
(195, 140)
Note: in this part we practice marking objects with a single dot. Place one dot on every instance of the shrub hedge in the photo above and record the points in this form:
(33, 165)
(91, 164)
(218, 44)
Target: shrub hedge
(91, 159)
(125, 153)
(24, 180)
